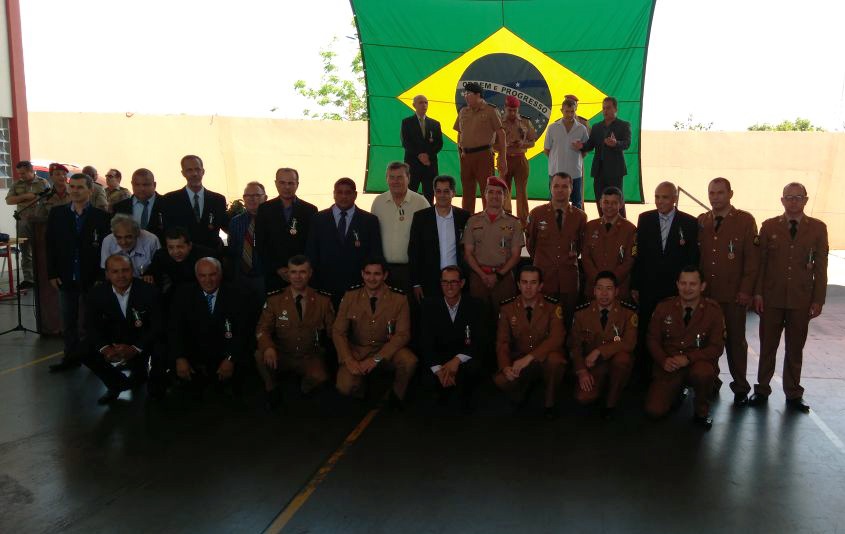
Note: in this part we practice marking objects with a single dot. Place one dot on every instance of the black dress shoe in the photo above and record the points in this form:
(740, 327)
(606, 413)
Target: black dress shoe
(395, 404)
(64, 365)
(680, 399)
(758, 400)
(608, 413)
(550, 413)
(798, 405)
(110, 396)
(740, 400)
(704, 421)
(717, 386)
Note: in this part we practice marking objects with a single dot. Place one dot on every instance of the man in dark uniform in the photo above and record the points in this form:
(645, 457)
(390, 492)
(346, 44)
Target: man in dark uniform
(609, 244)
(529, 342)
(201, 211)
(685, 338)
(145, 205)
(124, 320)
(790, 291)
(422, 140)
(730, 258)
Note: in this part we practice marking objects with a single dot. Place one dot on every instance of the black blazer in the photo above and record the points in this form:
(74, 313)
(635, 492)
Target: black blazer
(273, 238)
(655, 270)
(415, 143)
(155, 224)
(168, 274)
(424, 248)
(63, 243)
(201, 337)
(142, 326)
(338, 262)
(179, 211)
(441, 339)
(609, 162)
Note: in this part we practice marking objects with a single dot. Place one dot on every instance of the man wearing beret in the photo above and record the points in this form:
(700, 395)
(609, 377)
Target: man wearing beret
(520, 135)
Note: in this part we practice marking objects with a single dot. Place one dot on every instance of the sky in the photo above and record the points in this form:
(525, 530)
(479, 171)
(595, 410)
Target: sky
(731, 63)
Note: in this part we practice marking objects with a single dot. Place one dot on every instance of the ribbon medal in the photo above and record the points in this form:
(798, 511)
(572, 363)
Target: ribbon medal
(210, 221)
(137, 316)
(467, 336)
(357, 238)
(401, 214)
(621, 253)
(96, 242)
(227, 329)
(391, 328)
(811, 259)
(616, 337)
(731, 254)
(293, 224)
(698, 341)
(682, 241)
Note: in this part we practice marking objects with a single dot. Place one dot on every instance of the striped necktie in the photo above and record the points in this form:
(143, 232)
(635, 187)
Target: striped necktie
(249, 242)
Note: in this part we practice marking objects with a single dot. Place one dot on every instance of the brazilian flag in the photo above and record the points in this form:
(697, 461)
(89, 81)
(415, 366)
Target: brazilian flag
(539, 50)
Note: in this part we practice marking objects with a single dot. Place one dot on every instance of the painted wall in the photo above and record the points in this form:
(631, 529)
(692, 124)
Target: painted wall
(5, 76)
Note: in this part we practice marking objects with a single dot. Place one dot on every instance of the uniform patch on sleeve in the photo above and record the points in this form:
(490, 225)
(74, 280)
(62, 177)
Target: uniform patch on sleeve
(558, 312)
(635, 320)
(634, 250)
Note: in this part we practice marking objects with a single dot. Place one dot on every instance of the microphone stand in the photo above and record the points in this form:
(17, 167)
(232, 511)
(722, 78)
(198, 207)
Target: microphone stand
(17, 215)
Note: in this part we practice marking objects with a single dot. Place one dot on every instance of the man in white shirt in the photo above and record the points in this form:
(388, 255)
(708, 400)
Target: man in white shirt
(128, 239)
(563, 157)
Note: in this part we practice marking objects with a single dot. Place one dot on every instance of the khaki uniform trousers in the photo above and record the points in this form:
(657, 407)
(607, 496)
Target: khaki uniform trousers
(665, 388)
(550, 370)
(312, 369)
(475, 169)
(518, 172)
(772, 323)
(608, 375)
(402, 365)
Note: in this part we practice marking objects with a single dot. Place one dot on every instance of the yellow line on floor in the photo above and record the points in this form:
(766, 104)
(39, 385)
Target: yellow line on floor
(30, 364)
(299, 500)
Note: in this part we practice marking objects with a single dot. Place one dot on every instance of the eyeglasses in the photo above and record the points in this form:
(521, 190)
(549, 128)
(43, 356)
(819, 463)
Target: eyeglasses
(450, 282)
(111, 176)
(254, 195)
(794, 198)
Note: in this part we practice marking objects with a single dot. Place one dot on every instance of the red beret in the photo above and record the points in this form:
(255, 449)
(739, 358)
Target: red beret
(497, 182)
(571, 97)
(58, 166)
(511, 101)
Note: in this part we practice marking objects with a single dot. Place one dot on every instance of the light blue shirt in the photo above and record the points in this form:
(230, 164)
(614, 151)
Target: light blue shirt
(201, 194)
(138, 208)
(446, 238)
(141, 255)
(666, 225)
(349, 213)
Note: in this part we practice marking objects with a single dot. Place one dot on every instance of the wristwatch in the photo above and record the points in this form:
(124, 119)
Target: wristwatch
(377, 359)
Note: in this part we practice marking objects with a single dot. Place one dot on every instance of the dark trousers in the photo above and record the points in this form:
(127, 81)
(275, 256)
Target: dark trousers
(601, 183)
(421, 174)
(72, 303)
(112, 377)
(469, 374)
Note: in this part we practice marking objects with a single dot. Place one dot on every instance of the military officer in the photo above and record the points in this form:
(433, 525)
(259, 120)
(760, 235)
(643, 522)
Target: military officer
(98, 192)
(479, 128)
(60, 195)
(601, 344)
(520, 135)
(727, 239)
(372, 331)
(555, 234)
(686, 336)
(493, 243)
(292, 332)
(609, 245)
(790, 291)
(26, 191)
(529, 341)
(114, 191)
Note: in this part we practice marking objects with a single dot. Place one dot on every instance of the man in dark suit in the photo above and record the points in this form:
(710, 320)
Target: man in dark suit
(145, 206)
(125, 326)
(194, 207)
(281, 228)
(207, 335)
(74, 235)
(173, 265)
(435, 241)
(610, 139)
(451, 339)
(667, 240)
(340, 239)
(422, 140)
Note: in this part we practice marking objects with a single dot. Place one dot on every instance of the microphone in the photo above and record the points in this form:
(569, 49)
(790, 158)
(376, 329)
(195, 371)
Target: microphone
(47, 193)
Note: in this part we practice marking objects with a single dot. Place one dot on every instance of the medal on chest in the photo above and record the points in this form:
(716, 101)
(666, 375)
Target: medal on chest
(811, 259)
(227, 329)
(96, 242)
(293, 223)
(357, 238)
(616, 337)
(391, 328)
(621, 253)
(731, 254)
(699, 341)
(467, 336)
(681, 241)
(401, 214)
(137, 317)
(211, 221)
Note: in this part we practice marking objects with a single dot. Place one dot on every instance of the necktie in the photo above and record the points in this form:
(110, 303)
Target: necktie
(719, 220)
(197, 213)
(665, 226)
(603, 319)
(145, 215)
(422, 126)
(608, 226)
(341, 226)
(687, 316)
(249, 242)
(793, 228)
(559, 219)
(373, 303)
(529, 311)
(299, 306)
(209, 299)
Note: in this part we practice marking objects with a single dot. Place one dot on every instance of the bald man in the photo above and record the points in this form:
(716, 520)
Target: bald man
(422, 140)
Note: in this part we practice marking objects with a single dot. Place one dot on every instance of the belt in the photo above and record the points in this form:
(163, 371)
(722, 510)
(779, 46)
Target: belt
(517, 155)
(476, 149)
(489, 269)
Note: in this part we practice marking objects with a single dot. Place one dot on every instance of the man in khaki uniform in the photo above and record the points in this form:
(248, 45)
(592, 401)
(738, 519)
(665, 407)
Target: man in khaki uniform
(790, 291)
(60, 195)
(479, 128)
(114, 192)
(372, 330)
(555, 234)
(686, 336)
(730, 257)
(520, 135)
(529, 341)
(493, 243)
(292, 332)
(98, 193)
(601, 344)
(609, 245)
(25, 192)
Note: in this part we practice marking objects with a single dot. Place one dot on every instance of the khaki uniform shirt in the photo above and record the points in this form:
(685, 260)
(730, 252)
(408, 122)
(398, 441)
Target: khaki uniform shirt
(556, 251)
(279, 325)
(359, 333)
(730, 258)
(478, 127)
(793, 272)
(619, 335)
(519, 129)
(56, 200)
(116, 195)
(36, 185)
(516, 337)
(493, 240)
(609, 250)
(702, 340)
(98, 197)
(395, 223)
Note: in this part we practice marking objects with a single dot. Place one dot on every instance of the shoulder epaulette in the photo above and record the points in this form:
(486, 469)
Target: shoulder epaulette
(553, 300)
(356, 286)
(508, 301)
(396, 290)
(629, 305)
(583, 306)
(525, 117)
(274, 292)
(324, 293)
(491, 105)
(511, 216)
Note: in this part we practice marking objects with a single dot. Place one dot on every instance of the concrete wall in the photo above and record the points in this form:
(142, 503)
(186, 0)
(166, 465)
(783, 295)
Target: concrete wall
(5, 75)
(238, 150)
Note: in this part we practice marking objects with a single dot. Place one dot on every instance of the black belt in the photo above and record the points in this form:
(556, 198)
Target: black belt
(476, 149)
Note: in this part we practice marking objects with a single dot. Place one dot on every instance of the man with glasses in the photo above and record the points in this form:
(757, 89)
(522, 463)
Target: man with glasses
(145, 205)
(114, 192)
(282, 226)
(790, 291)
(245, 256)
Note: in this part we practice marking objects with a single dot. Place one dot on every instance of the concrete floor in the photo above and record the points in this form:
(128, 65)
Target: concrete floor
(69, 465)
